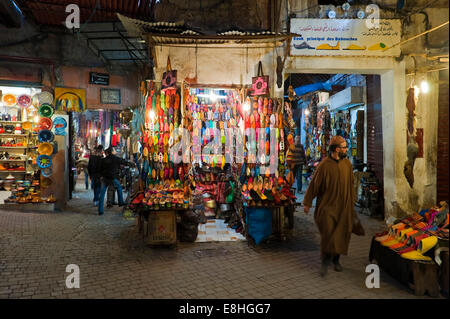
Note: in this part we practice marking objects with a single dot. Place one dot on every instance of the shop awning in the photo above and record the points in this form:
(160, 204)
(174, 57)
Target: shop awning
(170, 33)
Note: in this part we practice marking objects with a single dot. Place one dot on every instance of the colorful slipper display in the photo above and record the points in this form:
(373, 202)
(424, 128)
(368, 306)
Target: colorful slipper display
(415, 236)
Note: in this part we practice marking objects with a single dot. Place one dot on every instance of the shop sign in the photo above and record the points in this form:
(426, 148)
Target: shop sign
(98, 78)
(110, 96)
(345, 37)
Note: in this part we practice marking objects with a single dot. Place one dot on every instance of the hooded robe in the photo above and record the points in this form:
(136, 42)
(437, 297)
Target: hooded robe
(332, 184)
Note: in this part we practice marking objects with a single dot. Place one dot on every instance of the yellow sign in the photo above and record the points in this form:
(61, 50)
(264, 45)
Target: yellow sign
(70, 100)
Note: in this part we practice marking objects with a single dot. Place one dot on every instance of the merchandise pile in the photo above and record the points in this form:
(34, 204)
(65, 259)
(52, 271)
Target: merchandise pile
(415, 237)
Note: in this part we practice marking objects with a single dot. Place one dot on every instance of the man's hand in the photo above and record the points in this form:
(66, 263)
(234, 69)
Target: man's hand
(306, 209)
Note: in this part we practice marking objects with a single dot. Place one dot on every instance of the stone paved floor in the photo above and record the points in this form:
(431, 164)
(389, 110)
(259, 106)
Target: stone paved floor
(35, 249)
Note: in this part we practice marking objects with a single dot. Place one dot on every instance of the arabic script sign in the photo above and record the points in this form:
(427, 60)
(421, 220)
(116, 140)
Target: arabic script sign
(345, 37)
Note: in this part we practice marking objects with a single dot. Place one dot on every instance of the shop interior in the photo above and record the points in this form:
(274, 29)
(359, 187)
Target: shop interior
(341, 104)
(26, 144)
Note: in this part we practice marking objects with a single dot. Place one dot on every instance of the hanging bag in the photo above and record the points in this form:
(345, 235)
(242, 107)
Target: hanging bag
(169, 80)
(260, 83)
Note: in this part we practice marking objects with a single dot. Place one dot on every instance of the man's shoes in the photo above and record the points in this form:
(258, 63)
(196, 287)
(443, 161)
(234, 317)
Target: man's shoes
(100, 214)
(337, 267)
(109, 205)
(120, 205)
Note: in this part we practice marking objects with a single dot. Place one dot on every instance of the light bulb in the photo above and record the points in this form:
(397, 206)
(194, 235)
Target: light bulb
(424, 87)
(152, 115)
(246, 107)
(416, 91)
(306, 112)
(36, 119)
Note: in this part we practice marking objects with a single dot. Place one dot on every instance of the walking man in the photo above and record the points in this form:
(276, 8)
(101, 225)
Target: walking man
(110, 166)
(332, 184)
(94, 170)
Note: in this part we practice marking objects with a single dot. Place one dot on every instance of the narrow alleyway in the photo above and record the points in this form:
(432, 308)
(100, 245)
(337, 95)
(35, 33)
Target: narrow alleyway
(35, 249)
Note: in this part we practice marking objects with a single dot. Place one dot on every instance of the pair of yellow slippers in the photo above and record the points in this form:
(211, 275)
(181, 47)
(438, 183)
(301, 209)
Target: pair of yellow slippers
(402, 235)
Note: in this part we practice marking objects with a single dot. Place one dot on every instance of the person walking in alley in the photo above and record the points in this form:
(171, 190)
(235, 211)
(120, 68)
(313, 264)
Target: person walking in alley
(110, 166)
(296, 158)
(94, 170)
(332, 184)
(82, 165)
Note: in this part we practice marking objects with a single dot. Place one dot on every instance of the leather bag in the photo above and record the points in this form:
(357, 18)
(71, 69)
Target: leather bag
(169, 80)
(357, 228)
(260, 83)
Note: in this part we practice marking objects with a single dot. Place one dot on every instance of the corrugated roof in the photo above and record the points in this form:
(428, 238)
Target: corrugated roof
(167, 33)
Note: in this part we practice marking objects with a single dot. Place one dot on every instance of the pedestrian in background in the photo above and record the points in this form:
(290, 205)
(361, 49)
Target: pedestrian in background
(296, 156)
(110, 166)
(94, 170)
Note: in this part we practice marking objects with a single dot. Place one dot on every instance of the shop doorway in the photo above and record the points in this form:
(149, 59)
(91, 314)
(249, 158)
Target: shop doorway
(348, 105)
(442, 174)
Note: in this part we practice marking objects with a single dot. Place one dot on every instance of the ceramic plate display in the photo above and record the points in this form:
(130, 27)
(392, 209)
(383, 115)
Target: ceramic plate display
(60, 125)
(24, 100)
(44, 161)
(47, 172)
(45, 136)
(45, 123)
(45, 149)
(46, 110)
(9, 99)
(45, 98)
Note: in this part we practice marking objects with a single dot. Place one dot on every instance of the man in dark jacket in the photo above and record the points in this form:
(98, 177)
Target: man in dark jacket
(94, 170)
(296, 158)
(110, 166)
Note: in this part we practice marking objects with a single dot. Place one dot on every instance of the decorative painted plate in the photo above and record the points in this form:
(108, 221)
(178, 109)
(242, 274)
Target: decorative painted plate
(47, 172)
(46, 136)
(9, 99)
(45, 123)
(46, 110)
(24, 100)
(60, 125)
(45, 98)
(46, 182)
(45, 149)
(44, 161)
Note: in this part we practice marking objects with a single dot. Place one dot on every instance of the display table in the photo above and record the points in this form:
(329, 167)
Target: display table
(421, 275)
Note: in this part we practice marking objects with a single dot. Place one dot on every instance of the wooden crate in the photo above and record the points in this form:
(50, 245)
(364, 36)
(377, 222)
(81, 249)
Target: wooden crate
(161, 228)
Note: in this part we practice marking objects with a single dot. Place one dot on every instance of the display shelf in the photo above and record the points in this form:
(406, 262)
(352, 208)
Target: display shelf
(12, 122)
(11, 160)
(12, 135)
(13, 147)
(7, 171)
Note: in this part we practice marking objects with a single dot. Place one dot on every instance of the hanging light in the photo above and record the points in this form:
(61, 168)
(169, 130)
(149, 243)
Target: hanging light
(306, 112)
(424, 87)
(36, 119)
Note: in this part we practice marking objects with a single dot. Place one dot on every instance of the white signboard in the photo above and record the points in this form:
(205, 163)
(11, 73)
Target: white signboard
(345, 37)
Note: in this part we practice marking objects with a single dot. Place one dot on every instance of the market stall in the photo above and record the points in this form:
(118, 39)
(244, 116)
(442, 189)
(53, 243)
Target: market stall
(234, 168)
(413, 249)
(26, 149)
